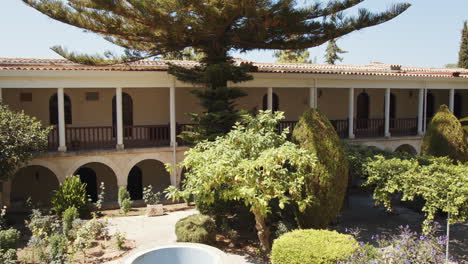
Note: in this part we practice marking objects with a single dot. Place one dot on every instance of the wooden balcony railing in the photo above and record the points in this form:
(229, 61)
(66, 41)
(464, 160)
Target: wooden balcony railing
(104, 137)
(81, 138)
(146, 136)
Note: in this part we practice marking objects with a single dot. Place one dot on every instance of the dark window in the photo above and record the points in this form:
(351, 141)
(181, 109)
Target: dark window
(457, 107)
(26, 97)
(92, 96)
(53, 110)
(363, 102)
(275, 102)
(127, 112)
(429, 105)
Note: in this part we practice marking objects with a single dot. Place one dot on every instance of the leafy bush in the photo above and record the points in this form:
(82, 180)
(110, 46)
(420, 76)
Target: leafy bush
(445, 137)
(405, 247)
(440, 183)
(126, 205)
(56, 250)
(196, 229)
(43, 225)
(359, 155)
(72, 193)
(120, 240)
(151, 197)
(122, 195)
(329, 177)
(8, 256)
(20, 137)
(68, 217)
(9, 239)
(310, 246)
(3, 212)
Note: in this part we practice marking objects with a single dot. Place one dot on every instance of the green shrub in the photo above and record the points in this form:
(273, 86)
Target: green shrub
(9, 239)
(72, 193)
(8, 256)
(329, 177)
(126, 206)
(119, 241)
(57, 250)
(445, 137)
(196, 229)
(68, 217)
(310, 246)
(42, 225)
(123, 194)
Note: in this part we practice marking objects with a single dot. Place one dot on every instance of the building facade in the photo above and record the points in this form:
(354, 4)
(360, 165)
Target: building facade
(119, 124)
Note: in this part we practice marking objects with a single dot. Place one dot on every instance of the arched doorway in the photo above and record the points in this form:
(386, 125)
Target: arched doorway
(35, 182)
(275, 102)
(93, 174)
(457, 106)
(88, 176)
(127, 113)
(153, 172)
(363, 106)
(53, 109)
(406, 148)
(135, 183)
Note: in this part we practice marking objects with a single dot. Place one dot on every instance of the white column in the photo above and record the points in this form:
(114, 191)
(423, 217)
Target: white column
(118, 105)
(172, 116)
(425, 109)
(270, 98)
(173, 128)
(452, 100)
(351, 113)
(420, 111)
(312, 97)
(387, 112)
(61, 119)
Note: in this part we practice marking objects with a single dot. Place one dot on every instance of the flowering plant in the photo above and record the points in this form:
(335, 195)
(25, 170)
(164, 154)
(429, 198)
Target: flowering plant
(406, 247)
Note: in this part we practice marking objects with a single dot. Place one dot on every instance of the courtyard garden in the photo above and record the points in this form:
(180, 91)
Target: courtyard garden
(264, 196)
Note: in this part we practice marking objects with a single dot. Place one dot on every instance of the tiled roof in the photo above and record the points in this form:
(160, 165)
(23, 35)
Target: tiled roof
(374, 69)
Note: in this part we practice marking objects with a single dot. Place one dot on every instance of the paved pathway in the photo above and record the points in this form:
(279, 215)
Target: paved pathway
(150, 232)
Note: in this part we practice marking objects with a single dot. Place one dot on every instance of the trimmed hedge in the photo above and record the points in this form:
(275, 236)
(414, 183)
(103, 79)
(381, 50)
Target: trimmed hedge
(329, 179)
(445, 137)
(9, 239)
(310, 246)
(196, 229)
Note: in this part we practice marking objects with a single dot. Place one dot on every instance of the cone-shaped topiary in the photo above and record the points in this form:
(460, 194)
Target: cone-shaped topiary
(329, 179)
(445, 137)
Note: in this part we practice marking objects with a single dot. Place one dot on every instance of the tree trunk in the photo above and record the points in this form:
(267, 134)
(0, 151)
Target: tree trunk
(263, 231)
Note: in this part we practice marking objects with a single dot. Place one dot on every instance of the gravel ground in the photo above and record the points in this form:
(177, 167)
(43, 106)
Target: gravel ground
(150, 232)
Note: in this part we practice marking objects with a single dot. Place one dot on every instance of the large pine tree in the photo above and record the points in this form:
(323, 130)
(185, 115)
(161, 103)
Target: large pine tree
(153, 28)
(332, 52)
(463, 55)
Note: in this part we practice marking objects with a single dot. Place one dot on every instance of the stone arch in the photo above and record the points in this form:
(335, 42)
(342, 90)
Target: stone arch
(162, 157)
(153, 172)
(407, 148)
(35, 181)
(95, 159)
(51, 166)
(93, 173)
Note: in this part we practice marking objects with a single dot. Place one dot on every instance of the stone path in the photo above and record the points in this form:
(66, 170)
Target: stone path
(150, 232)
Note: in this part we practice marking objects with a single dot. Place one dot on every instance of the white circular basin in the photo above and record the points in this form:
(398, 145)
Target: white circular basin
(183, 253)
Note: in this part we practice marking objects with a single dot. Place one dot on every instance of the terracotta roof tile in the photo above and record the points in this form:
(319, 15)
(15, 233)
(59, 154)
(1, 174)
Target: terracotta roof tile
(374, 69)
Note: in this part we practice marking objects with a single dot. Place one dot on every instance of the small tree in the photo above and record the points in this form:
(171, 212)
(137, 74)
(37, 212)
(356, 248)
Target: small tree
(253, 163)
(21, 136)
(463, 54)
(72, 193)
(293, 56)
(445, 137)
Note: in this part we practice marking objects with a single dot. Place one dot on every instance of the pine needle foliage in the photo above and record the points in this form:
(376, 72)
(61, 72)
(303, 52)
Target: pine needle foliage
(333, 51)
(445, 137)
(293, 56)
(155, 28)
(463, 55)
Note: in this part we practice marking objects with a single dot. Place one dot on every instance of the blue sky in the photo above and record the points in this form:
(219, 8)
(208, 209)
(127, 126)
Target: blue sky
(428, 34)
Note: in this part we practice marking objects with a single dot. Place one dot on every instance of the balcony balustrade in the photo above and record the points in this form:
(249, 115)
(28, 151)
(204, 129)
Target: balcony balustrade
(104, 137)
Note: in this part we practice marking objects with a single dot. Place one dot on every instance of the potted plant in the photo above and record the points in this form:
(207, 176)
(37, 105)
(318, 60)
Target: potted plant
(153, 207)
